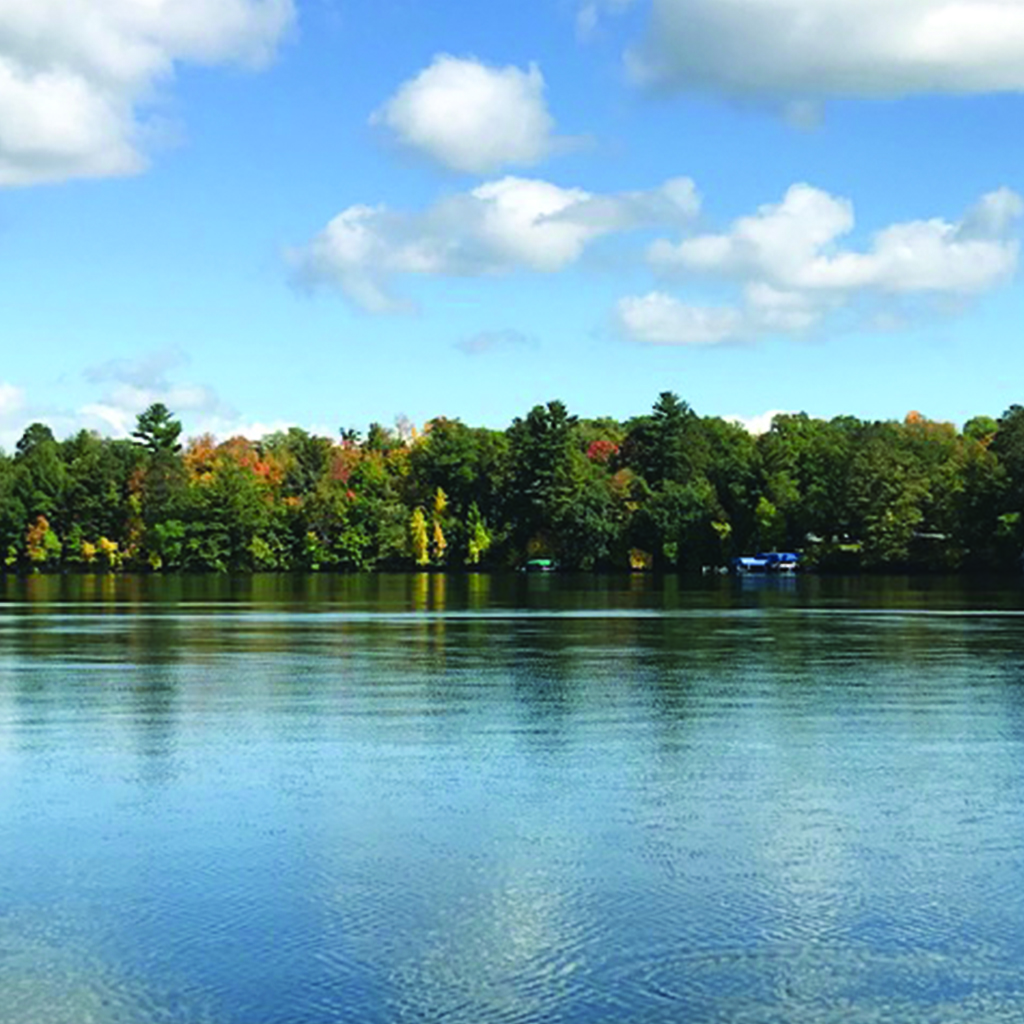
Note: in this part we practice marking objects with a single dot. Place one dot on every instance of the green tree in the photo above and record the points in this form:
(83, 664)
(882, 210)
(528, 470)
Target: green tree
(980, 502)
(13, 515)
(888, 494)
(157, 430)
(97, 484)
(805, 466)
(1008, 447)
(733, 470)
(677, 505)
(771, 526)
(468, 464)
(544, 467)
(304, 456)
(41, 476)
(981, 428)
(668, 444)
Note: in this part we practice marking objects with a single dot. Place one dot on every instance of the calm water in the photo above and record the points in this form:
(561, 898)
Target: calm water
(475, 800)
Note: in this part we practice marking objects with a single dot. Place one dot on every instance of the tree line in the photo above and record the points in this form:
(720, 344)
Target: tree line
(669, 490)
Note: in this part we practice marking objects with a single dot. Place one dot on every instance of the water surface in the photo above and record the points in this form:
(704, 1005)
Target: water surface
(468, 799)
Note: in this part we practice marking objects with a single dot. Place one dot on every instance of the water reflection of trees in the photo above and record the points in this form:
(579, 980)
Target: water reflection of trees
(555, 652)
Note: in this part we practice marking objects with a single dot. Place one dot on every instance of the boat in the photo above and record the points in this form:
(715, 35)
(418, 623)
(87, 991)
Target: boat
(770, 561)
(539, 565)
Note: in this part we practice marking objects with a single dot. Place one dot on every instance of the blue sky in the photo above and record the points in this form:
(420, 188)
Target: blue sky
(331, 212)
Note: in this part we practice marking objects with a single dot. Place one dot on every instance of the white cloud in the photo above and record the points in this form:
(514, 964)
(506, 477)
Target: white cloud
(12, 408)
(775, 310)
(117, 411)
(781, 242)
(471, 117)
(794, 245)
(128, 386)
(759, 424)
(196, 406)
(498, 227)
(520, 222)
(821, 48)
(993, 215)
(12, 399)
(792, 270)
(132, 385)
(74, 75)
(660, 319)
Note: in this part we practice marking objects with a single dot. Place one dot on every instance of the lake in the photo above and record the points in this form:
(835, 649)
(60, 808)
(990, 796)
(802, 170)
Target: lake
(428, 798)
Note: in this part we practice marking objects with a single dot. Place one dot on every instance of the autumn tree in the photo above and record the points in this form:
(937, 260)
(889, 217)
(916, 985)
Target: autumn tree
(438, 543)
(479, 538)
(418, 538)
(42, 545)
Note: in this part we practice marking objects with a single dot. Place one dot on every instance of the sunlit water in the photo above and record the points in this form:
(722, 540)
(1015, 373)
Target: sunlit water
(474, 800)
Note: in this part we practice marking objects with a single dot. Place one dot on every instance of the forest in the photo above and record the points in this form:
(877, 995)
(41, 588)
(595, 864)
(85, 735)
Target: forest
(668, 491)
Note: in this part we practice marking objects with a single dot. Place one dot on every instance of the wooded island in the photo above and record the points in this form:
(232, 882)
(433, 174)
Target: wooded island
(668, 491)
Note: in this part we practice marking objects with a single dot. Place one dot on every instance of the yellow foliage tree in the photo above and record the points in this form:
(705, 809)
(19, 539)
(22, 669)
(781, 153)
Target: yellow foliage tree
(439, 544)
(479, 537)
(110, 553)
(42, 545)
(418, 537)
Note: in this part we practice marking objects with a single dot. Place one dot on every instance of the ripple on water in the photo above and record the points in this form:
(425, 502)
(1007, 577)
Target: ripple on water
(53, 970)
(748, 816)
(812, 984)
